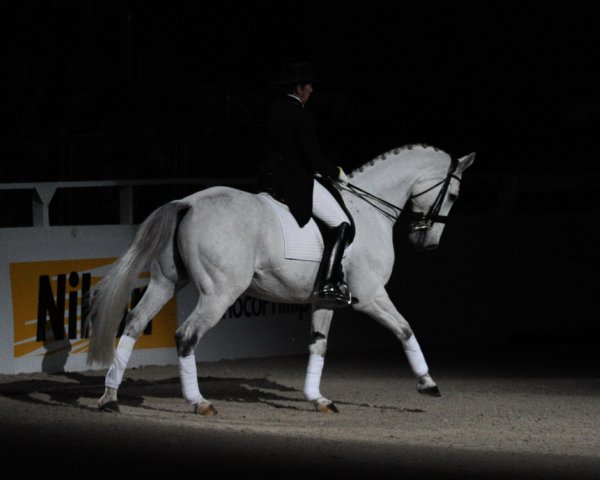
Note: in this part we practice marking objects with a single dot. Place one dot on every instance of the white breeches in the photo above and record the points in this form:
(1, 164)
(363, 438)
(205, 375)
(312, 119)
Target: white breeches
(326, 207)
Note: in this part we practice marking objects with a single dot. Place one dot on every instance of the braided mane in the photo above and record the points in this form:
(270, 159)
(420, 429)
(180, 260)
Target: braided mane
(393, 151)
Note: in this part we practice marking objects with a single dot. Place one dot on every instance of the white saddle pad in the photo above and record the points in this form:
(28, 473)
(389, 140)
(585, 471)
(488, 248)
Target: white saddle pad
(304, 243)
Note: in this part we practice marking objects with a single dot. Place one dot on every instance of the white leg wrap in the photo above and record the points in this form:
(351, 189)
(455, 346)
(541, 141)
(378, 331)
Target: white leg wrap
(415, 356)
(313, 377)
(117, 369)
(189, 379)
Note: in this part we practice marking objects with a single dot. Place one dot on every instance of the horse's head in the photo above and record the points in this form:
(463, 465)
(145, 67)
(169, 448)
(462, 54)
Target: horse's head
(432, 197)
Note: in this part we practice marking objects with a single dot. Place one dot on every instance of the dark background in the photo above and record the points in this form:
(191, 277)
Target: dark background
(107, 89)
(113, 89)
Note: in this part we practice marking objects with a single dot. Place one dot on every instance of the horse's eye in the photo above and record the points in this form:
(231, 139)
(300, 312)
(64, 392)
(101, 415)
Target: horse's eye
(452, 197)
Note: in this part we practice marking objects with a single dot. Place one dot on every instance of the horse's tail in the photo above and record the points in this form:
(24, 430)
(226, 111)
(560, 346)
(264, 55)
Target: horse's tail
(114, 290)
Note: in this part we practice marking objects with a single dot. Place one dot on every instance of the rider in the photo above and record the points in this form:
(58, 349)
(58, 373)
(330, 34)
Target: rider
(295, 168)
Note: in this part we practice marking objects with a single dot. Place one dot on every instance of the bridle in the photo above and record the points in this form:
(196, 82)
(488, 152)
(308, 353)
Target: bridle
(419, 221)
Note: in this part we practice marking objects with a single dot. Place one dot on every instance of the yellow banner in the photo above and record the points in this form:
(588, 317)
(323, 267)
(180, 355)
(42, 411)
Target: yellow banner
(50, 300)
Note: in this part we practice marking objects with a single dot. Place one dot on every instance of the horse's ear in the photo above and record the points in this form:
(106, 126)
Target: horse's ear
(465, 162)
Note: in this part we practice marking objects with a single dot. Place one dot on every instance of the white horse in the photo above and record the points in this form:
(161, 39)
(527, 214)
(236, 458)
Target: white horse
(228, 242)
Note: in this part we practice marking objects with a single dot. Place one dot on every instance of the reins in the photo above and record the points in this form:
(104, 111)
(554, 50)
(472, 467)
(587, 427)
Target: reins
(371, 199)
(420, 221)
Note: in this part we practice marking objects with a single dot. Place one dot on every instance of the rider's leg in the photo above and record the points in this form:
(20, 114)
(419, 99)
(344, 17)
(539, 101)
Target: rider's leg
(330, 285)
(326, 208)
(330, 279)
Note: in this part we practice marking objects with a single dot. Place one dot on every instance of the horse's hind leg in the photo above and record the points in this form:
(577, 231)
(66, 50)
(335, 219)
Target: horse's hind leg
(321, 321)
(207, 313)
(382, 309)
(159, 291)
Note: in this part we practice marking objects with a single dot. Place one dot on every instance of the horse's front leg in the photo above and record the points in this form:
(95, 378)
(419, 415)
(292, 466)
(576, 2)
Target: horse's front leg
(382, 309)
(321, 321)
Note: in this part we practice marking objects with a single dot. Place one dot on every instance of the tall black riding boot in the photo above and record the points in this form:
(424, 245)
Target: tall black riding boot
(330, 284)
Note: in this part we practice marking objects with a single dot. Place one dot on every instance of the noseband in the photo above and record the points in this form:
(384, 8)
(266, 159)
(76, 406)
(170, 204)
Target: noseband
(419, 221)
(425, 221)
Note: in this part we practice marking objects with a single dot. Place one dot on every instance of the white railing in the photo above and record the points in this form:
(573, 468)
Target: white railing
(43, 193)
(506, 185)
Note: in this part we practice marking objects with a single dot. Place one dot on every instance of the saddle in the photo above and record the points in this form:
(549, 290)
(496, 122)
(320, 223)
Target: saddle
(301, 243)
(331, 189)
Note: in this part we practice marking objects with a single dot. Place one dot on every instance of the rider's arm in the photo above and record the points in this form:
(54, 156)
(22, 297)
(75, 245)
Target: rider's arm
(306, 136)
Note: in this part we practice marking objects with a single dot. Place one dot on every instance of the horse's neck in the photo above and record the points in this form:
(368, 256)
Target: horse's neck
(389, 177)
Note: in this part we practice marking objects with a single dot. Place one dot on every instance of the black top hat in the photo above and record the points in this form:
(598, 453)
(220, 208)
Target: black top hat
(295, 73)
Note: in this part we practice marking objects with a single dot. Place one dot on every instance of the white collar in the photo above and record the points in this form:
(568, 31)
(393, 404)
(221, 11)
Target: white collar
(295, 97)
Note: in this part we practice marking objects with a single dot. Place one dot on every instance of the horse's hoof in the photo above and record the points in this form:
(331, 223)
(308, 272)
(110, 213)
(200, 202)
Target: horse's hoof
(206, 409)
(326, 407)
(431, 391)
(110, 407)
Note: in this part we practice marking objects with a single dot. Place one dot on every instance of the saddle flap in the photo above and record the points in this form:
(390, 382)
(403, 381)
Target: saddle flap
(304, 243)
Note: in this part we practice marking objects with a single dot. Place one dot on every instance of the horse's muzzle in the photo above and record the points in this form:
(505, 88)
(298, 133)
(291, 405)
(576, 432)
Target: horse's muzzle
(419, 240)
(425, 248)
